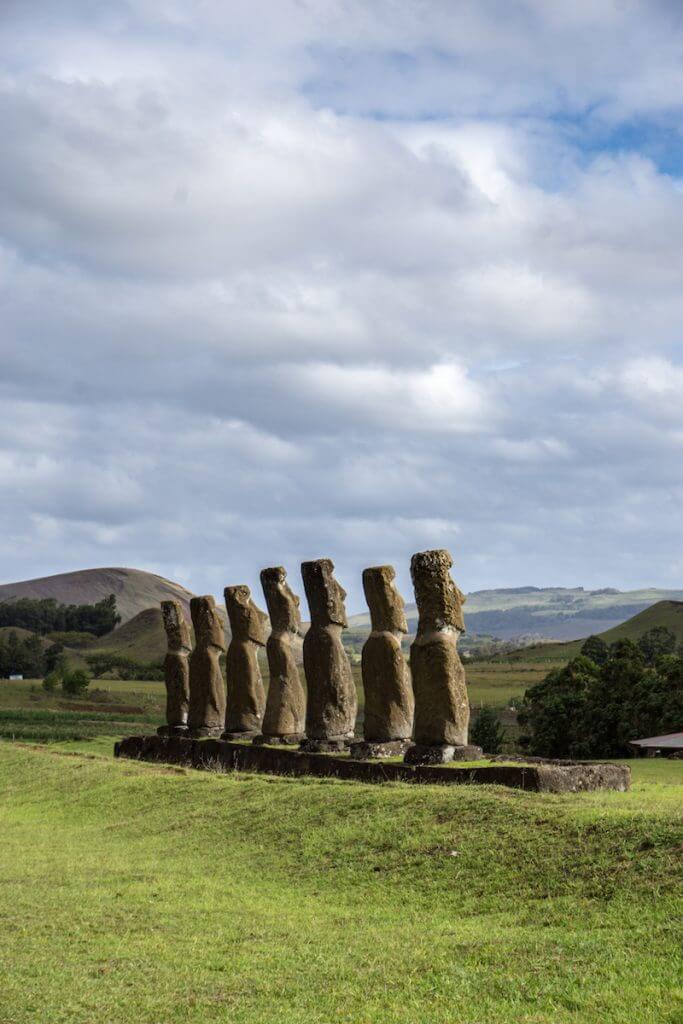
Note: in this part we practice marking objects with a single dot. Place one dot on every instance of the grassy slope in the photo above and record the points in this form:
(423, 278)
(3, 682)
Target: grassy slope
(664, 613)
(140, 639)
(134, 892)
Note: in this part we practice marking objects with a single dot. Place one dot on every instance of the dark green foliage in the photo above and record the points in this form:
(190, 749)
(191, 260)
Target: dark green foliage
(20, 656)
(487, 731)
(75, 681)
(116, 666)
(72, 638)
(595, 649)
(589, 710)
(656, 642)
(46, 616)
(52, 681)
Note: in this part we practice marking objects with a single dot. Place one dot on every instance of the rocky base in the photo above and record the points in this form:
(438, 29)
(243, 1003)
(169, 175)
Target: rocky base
(204, 733)
(278, 741)
(172, 730)
(442, 753)
(221, 756)
(331, 746)
(249, 735)
(366, 750)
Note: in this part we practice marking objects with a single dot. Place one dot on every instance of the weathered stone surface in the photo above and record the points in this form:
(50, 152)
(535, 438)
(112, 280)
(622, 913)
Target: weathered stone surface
(441, 703)
(331, 705)
(442, 753)
(206, 715)
(246, 694)
(176, 666)
(364, 750)
(285, 714)
(389, 701)
(218, 755)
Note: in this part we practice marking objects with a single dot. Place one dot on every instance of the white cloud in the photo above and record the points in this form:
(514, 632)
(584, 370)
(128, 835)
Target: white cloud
(341, 278)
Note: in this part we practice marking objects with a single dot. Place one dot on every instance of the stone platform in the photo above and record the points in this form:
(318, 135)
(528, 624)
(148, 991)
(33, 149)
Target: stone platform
(223, 755)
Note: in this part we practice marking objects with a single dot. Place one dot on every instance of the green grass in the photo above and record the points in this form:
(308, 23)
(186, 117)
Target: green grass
(157, 895)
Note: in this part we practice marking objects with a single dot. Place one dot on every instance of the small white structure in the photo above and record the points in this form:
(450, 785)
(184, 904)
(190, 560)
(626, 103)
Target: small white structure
(16, 677)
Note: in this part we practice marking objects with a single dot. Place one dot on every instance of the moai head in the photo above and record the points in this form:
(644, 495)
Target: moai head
(247, 622)
(208, 628)
(324, 595)
(283, 604)
(439, 602)
(177, 630)
(384, 601)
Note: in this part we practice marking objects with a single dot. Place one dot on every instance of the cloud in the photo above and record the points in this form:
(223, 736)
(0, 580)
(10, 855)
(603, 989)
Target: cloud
(342, 279)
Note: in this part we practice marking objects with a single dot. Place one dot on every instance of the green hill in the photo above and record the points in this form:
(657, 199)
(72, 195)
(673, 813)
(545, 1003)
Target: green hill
(142, 638)
(149, 893)
(664, 613)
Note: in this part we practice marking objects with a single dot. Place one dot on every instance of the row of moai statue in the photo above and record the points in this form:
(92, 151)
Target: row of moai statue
(425, 718)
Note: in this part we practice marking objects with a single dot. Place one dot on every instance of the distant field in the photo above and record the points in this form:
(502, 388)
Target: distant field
(141, 893)
(119, 708)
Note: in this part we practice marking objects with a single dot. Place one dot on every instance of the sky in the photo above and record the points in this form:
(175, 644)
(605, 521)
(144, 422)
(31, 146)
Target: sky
(342, 278)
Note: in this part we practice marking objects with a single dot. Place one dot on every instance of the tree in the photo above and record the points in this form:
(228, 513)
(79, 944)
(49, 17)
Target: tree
(487, 731)
(75, 681)
(51, 681)
(552, 710)
(596, 649)
(657, 641)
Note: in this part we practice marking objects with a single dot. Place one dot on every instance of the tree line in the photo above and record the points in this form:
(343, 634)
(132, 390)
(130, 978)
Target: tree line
(45, 615)
(605, 697)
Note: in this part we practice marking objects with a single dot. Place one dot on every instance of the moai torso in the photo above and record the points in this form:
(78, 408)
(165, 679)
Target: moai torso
(389, 702)
(331, 703)
(207, 690)
(441, 704)
(286, 704)
(246, 695)
(176, 665)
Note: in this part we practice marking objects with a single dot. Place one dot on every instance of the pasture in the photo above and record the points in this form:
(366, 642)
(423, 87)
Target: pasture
(137, 892)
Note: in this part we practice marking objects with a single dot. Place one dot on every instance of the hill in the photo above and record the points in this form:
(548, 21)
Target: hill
(142, 638)
(664, 613)
(166, 894)
(134, 589)
(555, 613)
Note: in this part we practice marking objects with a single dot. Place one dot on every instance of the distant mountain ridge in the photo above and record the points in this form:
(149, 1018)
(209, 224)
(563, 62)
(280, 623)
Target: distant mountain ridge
(557, 613)
(135, 590)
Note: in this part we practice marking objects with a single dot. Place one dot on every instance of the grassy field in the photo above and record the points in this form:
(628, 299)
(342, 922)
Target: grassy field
(134, 892)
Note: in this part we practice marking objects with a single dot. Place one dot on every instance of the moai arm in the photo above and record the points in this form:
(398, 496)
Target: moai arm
(331, 707)
(284, 716)
(176, 667)
(388, 693)
(441, 702)
(246, 695)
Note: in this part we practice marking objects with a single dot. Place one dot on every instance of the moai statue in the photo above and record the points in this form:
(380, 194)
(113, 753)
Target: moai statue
(176, 668)
(442, 710)
(284, 718)
(246, 695)
(331, 705)
(389, 702)
(207, 690)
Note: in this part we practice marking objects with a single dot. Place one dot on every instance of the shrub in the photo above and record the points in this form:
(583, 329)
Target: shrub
(487, 731)
(51, 681)
(75, 681)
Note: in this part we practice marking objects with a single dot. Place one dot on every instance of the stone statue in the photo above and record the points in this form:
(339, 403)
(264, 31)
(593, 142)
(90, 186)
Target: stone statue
(246, 695)
(207, 690)
(442, 710)
(176, 668)
(284, 718)
(331, 705)
(389, 702)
